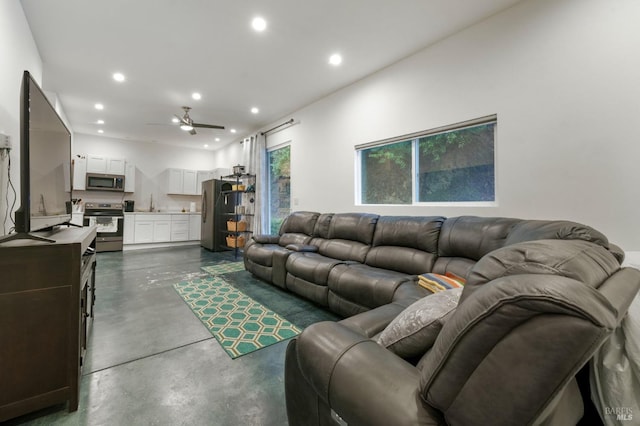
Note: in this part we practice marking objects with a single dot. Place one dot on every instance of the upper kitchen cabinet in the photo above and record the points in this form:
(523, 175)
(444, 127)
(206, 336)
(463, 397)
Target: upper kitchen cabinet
(80, 172)
(181, 181)
(90, 163)
(129, 177)
(201, 176)
(102, 164)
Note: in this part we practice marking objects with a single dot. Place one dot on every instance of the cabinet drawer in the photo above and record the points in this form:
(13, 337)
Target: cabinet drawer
(152, 217)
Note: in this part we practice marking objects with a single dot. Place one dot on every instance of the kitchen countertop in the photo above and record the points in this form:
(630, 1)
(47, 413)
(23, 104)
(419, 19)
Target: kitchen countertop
(163, 212)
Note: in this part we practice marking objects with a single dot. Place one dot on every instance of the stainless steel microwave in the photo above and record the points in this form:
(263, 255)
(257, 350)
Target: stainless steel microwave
(105, 182)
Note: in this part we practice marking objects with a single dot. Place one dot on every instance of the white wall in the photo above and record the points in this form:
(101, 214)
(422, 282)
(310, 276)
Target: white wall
(151, 161)
(562, 76)
(18, 52)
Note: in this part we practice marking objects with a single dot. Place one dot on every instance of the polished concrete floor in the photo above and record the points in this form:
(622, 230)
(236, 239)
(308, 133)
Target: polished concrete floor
(151, 362)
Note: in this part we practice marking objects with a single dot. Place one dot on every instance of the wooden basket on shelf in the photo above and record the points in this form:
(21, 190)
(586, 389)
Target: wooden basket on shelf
(235, 241)
(240, 226)
(238, 187)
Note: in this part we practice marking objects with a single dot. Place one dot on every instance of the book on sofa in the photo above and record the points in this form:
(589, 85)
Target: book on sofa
(438, 282)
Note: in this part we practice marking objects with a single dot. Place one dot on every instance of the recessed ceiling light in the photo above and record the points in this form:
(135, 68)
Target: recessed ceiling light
(206, 146)
(175, 120)
(335, 59)
(100, 122)
(254, 110)
(100, 131)
(259, 24)
(197, 96)
(118, 77)
(217, 139)
(232, 130)
(98, 106)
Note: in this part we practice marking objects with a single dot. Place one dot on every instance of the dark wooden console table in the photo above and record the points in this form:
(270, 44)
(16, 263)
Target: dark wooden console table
(46, 305)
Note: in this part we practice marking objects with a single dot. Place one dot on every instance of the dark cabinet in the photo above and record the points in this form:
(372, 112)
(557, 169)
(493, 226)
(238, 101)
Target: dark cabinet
(46, 305)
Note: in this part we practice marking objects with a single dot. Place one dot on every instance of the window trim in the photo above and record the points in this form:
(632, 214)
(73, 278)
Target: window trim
(413, 137)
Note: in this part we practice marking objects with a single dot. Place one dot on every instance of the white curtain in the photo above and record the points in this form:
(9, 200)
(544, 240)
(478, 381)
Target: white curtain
(254, 157)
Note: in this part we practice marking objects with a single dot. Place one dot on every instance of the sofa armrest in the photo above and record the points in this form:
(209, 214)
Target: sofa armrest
(302, 247)
(266, 238)
(360, 380)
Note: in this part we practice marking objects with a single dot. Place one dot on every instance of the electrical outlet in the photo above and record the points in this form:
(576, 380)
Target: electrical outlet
(5, 141)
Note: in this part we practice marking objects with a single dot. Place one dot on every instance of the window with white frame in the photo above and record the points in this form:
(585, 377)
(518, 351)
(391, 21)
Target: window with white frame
(451, 164)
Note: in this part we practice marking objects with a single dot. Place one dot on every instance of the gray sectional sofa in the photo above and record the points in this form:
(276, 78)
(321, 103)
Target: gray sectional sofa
(540, 297)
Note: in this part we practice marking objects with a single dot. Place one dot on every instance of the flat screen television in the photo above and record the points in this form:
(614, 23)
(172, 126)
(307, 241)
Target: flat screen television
(45, 162)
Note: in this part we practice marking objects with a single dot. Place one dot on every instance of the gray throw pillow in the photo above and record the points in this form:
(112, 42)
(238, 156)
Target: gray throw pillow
(415, 329)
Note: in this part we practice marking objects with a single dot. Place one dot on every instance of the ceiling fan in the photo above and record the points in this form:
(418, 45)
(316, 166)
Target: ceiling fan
(187, 124)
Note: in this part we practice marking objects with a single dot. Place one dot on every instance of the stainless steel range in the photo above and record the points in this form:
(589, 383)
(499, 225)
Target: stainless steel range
(109, 219)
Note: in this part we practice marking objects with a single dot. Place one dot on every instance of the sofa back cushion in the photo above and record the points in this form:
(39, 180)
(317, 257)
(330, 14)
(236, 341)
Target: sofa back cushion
(406, 244)
(530, 230)
(588, 263)
(297, 228)
(472, 237)
(350, 236)
(321, 229)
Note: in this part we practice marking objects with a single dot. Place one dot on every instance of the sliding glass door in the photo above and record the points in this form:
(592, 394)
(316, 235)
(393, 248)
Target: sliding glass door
(279, 192)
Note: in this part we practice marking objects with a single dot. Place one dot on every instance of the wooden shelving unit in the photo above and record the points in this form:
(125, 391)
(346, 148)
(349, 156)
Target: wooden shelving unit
(47, 292)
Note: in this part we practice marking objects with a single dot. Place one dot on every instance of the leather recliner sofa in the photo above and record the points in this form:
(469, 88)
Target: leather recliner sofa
(540, 297)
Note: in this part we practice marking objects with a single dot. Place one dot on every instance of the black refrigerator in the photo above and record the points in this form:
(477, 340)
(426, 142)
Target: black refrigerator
(216, 207)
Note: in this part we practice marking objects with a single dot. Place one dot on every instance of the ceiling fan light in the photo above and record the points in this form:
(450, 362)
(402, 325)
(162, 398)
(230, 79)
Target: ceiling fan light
(186, 127)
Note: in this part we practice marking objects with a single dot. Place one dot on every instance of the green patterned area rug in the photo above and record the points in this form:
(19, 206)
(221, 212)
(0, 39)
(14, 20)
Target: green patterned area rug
(224, 268)
(240, 324)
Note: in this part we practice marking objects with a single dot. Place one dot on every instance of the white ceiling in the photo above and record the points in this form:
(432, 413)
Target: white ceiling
(168, 49)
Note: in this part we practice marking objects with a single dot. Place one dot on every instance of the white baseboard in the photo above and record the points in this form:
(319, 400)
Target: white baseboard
(128, 247)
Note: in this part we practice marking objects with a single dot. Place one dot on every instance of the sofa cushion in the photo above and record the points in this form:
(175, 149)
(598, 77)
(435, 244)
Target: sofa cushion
(530, 230)
(262, 254)
(299, 223)
(311, 267)
(353, 227)
(289, 238)
(418, 232)
(582, 261)
(415, 329)
(473, 237)
(342, 249)
(405, 244)
(366, 285)
(321, 229)
(401, 259)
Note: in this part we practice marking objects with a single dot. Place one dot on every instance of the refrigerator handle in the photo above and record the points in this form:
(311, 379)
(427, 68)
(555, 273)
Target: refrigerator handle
(204, 206)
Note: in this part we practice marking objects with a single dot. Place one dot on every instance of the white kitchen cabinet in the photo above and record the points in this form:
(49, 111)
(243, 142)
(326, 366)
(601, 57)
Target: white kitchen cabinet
(179, 227)
(96, 163)
(174, 181)
(201, 176)
(181, 181)
(129, 177)
(129, 229)
(189, 182)
(161, 230)
(195, 222)
(103, 164)
(143, 231)
(80, 172)
(115, 166)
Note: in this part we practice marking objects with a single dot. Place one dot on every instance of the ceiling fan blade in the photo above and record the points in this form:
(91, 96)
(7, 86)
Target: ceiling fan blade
(182, 120)
(192, 132)
(207, 126)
